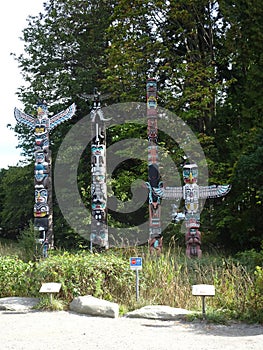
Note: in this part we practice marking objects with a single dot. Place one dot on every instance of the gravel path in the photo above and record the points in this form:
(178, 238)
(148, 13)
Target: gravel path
(69, 331)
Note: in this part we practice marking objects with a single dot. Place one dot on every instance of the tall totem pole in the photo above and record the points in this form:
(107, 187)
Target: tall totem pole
(155, 229)
(99, 227)
(42, 125)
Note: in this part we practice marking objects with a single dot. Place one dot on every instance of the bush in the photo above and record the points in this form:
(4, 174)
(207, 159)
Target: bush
(83, 273)
(13, 277)
(251, 258)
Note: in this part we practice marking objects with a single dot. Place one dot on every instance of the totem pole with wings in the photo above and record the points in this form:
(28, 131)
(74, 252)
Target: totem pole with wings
(42, 125)
(191, 192)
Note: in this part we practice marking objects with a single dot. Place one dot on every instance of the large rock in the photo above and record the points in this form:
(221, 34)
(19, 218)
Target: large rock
(93, 306)
(159, 312)
(18, 303)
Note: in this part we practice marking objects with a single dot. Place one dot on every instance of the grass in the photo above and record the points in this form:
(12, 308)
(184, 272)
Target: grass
(166, 280)
(50, 304)
(8, 247)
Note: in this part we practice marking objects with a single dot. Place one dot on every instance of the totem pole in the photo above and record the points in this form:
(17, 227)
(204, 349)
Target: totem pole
(42, 125)
(99, 227)
(191, 192)
(155, 229)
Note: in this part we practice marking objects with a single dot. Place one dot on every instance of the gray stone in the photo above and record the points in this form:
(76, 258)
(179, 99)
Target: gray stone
(159, 312)
(18, 303)
(93, 306)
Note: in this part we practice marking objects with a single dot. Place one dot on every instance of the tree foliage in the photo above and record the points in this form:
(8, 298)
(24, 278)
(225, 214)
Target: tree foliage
(17, 199)
(207, 58)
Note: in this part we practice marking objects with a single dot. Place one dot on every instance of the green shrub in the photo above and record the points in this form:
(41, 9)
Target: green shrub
(251, 258)
(83, 273)
(13, 277)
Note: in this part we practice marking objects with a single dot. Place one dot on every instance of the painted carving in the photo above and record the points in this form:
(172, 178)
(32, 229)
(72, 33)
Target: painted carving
(99, 228)
(41, 126)
(191, 193)
(155, 230)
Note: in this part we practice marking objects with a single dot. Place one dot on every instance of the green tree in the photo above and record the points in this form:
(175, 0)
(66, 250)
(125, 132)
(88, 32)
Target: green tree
(17, 199)
(174, 42)
(64, 50)
(64, 58)
(240, 110)
(133, 48)
(246, 227)
(239, 121)
(207, 59)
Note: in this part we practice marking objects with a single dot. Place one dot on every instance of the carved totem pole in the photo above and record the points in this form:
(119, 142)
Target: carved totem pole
(42, 125)
(99, 227)
(155, 229)
(191, 192)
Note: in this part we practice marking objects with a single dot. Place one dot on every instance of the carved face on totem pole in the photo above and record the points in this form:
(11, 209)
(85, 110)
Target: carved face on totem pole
(41, 208)
(41, 157)
(190, 173)
(41, 195)
(151, 88)
(41, 172)
(41, 126)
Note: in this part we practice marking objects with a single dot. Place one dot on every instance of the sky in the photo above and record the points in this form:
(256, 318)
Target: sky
(12, 21)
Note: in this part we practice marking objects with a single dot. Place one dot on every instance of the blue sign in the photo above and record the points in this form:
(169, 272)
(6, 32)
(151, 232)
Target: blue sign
(136, 263)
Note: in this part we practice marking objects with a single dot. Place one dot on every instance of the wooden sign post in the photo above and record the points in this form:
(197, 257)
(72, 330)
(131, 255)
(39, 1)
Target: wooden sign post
(203, 290)
(50, 288)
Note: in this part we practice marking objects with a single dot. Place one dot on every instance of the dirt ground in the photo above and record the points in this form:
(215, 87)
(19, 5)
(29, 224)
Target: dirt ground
(63, 330)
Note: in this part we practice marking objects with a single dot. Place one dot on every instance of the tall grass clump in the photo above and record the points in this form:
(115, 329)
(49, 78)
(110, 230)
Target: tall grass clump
(169, 279)
(30, 249)
(9, 248)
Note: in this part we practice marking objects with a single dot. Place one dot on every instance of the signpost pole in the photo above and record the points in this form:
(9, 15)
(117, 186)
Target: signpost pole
(203, 306)
(50, 288)
(136, 264)
(137, 285)
(203, 290)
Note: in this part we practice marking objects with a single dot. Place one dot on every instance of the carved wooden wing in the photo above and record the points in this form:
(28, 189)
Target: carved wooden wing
(169, 192)
(213, 191)
(24, 118)
(62, 116)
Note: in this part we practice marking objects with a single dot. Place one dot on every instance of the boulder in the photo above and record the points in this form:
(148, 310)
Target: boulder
(159, 312)
(18, 303)
(90, 305)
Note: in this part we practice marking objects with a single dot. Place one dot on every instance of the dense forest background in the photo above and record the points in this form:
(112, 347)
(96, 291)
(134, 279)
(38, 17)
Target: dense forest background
(207, 58)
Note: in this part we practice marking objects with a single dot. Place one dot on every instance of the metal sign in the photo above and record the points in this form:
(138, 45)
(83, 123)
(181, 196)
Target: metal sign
(136, 263)
(203, 290)
(50, 288)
